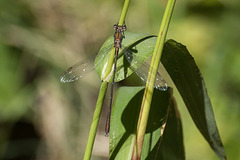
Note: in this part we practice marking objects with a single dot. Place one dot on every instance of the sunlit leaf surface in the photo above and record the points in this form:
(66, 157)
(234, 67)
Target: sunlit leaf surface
(139, 44)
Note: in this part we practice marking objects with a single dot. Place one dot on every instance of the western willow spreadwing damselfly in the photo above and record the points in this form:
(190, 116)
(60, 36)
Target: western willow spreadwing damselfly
(118, 37)
(134, 64)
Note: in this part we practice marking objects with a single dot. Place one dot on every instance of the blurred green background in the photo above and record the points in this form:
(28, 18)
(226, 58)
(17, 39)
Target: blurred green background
(42, 118)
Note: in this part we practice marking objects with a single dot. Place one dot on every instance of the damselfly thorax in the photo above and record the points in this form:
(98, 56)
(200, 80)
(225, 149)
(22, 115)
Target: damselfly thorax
(134, 63)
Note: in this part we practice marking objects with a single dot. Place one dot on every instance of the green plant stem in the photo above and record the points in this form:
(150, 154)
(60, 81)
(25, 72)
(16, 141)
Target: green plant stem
(121, 22)
(96, 117)
(124, 12)
(102, 92)
(147, 97)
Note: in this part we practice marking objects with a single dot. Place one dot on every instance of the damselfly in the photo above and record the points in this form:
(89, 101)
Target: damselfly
(134, 64)
(118, 37)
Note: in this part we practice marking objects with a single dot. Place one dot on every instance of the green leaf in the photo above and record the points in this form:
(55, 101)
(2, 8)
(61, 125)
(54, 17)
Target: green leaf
(172, 147)
(124, 121)
(142, 45)
(186, 76)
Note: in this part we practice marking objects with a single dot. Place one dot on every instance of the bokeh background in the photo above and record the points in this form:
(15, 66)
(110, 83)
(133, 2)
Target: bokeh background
(42, 118)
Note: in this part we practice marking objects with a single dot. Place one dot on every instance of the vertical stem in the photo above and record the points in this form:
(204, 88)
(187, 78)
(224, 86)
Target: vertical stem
(113, 60)
(147, 97)
(121, 22)
(124, 12)
(102, 93)
(96, 117)
(108, 122)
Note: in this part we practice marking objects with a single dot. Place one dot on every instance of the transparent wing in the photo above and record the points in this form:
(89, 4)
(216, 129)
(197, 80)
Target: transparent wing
(142, 70)
(81, 68)
(78, 70)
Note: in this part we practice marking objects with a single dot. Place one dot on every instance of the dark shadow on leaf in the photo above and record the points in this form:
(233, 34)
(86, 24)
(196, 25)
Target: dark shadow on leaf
(170, 146)
(133, 50)
(157, 115)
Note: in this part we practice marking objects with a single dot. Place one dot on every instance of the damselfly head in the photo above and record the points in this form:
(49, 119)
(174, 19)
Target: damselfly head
(119, 28)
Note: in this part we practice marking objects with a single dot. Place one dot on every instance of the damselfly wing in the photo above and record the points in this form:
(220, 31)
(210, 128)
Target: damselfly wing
(81, 68)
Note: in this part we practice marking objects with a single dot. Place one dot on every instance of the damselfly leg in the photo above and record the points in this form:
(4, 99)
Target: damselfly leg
(118, 37)
(136, 63)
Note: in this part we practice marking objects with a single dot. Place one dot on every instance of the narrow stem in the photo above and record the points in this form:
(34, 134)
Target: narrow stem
(147, 97)
(121, 22)
(124, 12)
(110, 62)
(96, 117)
(102, 93)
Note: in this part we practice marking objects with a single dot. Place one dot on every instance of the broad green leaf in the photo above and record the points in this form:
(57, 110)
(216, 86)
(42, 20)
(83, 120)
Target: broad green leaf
(185, 74)
(172, 147)
(142, 45)
(124, 121)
